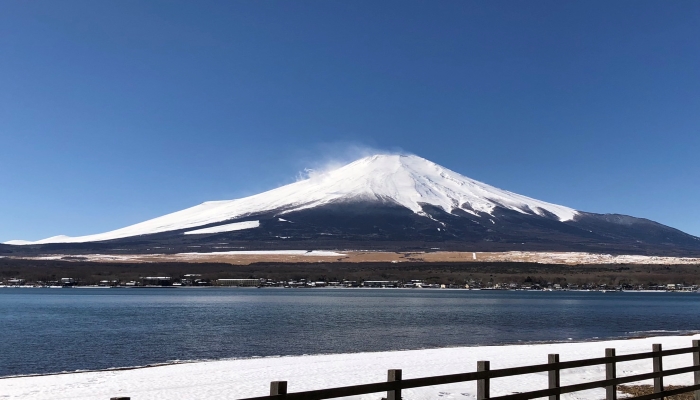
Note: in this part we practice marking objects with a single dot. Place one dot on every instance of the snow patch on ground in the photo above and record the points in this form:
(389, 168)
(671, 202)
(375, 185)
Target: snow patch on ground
(572, 258)
(590, 258)
(317, 253)
(184, 256)
(235, 379)
(236, 226)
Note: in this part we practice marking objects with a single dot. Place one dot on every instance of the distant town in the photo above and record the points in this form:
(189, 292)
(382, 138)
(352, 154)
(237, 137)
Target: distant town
(196, 280)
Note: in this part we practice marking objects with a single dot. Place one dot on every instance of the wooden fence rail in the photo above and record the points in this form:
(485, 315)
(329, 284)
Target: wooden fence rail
(483, 375)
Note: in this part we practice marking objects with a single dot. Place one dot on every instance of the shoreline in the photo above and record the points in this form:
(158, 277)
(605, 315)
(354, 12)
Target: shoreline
(247, 377)
(456, 274)
(652, 334)
(356, 288)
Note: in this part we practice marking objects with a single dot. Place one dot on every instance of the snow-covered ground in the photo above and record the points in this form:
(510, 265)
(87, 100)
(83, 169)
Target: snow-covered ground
(572, 258)
(185, 256)
(582, 258)
(235, 379)
(309, 253)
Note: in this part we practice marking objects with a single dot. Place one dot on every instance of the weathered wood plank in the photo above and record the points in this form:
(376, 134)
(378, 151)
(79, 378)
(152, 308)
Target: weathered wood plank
(393, 376)
(554, 376)
(278, 388)
(483, 386)
(610, 373)
(696, 363)
(658, 367)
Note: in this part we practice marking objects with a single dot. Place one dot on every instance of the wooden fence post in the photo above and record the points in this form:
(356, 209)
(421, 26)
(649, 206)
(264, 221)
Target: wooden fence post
(658, 367)
(394, 375)
(483, 386)
(278, 387)
(696, 363)
(554, 377)
(610, 373)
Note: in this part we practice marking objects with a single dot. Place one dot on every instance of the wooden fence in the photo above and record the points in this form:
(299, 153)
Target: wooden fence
(484, 374)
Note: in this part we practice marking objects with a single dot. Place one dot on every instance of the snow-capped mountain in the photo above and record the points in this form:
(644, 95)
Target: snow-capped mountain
(409, 181)
(405, 200)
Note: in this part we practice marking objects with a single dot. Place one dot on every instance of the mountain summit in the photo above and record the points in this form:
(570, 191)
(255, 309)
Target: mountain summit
(393, 201)
(413, 182)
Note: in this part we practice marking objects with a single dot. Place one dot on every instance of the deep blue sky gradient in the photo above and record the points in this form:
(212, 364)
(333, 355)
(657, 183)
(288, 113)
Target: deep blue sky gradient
(116, 112)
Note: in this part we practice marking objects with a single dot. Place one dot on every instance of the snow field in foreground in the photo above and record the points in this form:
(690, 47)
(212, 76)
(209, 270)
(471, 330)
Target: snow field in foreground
(235, 379)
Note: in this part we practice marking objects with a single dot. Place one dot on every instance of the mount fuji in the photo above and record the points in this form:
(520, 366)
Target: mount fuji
(382, 202)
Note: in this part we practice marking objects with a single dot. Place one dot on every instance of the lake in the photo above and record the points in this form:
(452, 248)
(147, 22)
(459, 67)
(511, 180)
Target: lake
(53, 330)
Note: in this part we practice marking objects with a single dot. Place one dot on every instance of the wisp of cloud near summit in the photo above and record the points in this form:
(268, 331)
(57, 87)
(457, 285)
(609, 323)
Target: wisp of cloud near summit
(330, 156)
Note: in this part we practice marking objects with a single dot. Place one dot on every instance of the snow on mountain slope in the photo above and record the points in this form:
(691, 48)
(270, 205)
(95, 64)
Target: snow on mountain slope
(236, 226)
(405, 180)
(18, 242)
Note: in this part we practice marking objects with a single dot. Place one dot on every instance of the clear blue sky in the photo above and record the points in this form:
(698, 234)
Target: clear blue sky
(113, 112)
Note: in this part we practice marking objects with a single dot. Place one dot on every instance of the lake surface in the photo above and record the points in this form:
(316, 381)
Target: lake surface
(52, 330)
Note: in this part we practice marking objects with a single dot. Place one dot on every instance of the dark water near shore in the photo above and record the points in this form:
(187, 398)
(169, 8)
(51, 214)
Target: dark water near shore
(52, 330)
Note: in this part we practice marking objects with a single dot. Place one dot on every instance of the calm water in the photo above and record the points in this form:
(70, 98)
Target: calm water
(51, 330)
